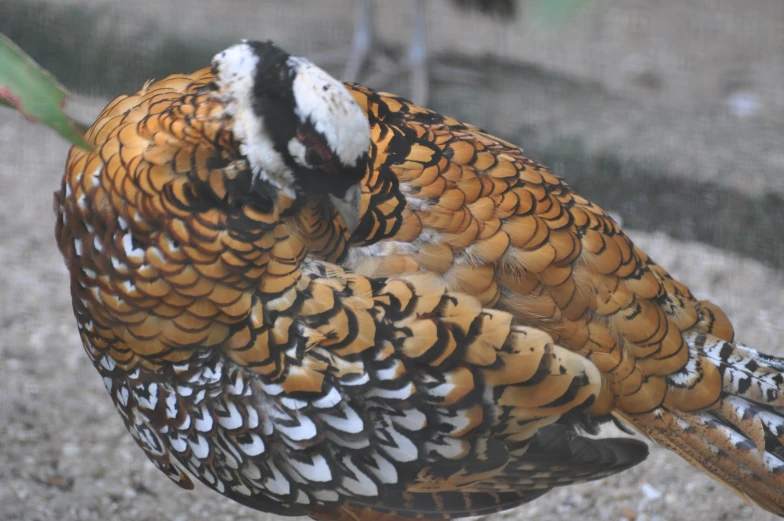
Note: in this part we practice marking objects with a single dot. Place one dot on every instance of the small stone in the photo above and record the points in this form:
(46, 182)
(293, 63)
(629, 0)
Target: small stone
(744, 104)
(70, 449)
(629, 513)
(651, 493)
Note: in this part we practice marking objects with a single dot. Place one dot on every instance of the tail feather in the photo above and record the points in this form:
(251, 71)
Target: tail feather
(719, 450)
(746, 372)
(739, 439)
(770, 361)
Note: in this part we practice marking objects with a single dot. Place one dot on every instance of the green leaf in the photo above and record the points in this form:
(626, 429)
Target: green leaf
(26, 86)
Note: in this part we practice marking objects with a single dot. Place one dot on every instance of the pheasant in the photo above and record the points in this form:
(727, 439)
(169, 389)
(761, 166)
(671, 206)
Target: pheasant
(202, 232)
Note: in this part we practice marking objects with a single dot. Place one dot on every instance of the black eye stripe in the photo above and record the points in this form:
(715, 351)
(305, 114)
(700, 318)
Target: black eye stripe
(314, 157)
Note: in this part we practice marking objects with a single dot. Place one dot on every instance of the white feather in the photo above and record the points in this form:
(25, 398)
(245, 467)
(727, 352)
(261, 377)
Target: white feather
(351, 424)
(386, 472)
(135, 254)
(403, 449)
(277, 483)
(349, 443)
(171, 405)
(302, 498)
(361, 484)
(237, 386)
(235, 75)
(254, 447)
(253, 417)
(121, 221)
(392, 394)
(205, 423)
(391, 372)
(449, 448)
(317, 469)
(200, 447)
(177, 442)
(332, 110)
(412, 419)
(241, 489)
(326, 495)
(107, 363)
(233, 420)
(251, 471)
(147, 398)
(331, 399)
(304, 430)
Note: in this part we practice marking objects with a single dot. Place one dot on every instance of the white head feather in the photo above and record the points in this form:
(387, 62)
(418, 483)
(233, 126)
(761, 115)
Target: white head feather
(235, 76)
(332, 110)
(318, 97)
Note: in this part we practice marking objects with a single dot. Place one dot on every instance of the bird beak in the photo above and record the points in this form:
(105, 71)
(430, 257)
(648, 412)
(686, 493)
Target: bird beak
(348, 206)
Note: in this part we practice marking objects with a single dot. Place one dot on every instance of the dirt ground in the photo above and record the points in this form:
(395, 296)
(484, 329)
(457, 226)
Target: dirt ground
(64, 454)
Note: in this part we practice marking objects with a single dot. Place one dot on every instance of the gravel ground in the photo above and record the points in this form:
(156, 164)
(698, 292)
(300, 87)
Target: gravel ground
(64, 454)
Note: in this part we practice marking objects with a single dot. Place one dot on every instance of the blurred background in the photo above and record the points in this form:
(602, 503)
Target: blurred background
(641, 105)
(669, 114)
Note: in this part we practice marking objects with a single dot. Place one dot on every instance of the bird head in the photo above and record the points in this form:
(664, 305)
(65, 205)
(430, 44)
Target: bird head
(299, 128)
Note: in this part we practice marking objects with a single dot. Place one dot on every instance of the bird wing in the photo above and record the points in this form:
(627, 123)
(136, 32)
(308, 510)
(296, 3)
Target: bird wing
(451, 199)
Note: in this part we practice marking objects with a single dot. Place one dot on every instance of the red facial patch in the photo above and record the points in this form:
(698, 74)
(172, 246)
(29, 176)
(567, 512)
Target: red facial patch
(317, 154)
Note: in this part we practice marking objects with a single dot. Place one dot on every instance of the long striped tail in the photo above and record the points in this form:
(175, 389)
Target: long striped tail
(739, 440)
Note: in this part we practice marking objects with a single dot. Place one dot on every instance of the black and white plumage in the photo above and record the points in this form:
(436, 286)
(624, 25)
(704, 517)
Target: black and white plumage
(297, 126)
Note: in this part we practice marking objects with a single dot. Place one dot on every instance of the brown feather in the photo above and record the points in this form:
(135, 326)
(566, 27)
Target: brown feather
(295, 387)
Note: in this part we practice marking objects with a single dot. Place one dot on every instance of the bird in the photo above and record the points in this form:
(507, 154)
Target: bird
(322, 300)
(417, 62)
(191, 228)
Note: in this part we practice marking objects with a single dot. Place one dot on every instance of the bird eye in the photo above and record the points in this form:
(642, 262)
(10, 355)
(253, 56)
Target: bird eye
(315, 158)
